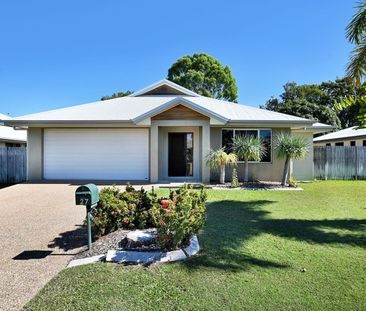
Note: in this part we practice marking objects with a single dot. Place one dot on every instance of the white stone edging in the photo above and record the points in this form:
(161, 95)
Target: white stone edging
(85, 261)
(136, 257)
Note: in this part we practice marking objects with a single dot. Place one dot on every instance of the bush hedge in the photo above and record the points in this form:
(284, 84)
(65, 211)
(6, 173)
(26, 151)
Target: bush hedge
(176, 218)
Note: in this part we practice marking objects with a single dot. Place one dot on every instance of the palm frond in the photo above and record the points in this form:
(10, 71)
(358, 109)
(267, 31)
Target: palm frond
(292, 146)
(356, 28)
(216, 158)
(349, 101)
(249, 148)
(356, 68)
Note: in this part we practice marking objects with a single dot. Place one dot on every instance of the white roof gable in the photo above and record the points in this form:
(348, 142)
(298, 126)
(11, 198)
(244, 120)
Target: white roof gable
(351, 132)
(180, 89)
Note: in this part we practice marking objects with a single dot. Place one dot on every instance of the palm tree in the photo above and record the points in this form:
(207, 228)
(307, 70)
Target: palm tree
(356, 68)
(218, 159)
(248, 148)
(290, 147)
(356, 33)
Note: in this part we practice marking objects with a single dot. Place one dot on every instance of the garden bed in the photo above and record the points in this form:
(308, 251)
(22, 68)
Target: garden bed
(135, 226)
(115, 247)
(259, 185)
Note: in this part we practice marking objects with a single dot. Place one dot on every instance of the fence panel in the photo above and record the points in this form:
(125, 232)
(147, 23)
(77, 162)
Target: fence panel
(13, 164)
(339, 162)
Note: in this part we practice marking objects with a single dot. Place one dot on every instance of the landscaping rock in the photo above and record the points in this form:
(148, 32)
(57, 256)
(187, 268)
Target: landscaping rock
(133, 257)
(173, 256)
(139, 239)
(193, 247)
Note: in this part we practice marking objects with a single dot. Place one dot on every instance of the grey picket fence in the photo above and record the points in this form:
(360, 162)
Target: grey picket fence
(13, 164)
(338, 162)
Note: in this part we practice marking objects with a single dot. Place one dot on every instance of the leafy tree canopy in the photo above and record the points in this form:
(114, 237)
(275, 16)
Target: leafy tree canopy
(115, 95)
(204, 75)
(316, 101)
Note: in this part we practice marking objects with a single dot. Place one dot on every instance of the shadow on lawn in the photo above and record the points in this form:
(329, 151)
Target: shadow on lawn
(231, 223)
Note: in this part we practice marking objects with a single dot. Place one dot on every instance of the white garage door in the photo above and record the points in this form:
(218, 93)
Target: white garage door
(114, 154)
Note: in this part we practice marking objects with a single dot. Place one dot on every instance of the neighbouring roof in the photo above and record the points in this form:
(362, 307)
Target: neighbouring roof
(4, 117)
(9, 134)
(351, 132)
(153, 100)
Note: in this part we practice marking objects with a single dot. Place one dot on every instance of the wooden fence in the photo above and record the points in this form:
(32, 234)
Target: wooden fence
(338, 162)
(13, 164)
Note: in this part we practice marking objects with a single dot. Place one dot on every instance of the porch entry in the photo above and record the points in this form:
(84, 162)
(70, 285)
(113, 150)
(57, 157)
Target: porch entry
(180, 154)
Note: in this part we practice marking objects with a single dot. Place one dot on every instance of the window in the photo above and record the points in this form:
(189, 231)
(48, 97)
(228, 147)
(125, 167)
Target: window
(364, 143)
(339, 144)
(264, 135)
(353, 143)
(328, 144)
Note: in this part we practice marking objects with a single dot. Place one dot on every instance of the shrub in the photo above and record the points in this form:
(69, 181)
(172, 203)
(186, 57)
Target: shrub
(180, 216)
(292, 182)
(129, 209)
(234, 179)
(176, 218)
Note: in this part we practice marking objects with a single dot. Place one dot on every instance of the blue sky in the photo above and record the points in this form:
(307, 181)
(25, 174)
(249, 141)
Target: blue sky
(62, 53)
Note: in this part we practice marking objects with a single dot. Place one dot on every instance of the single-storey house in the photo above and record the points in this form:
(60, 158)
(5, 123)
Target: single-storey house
(352, 136)
(10, 137)
(161, 133)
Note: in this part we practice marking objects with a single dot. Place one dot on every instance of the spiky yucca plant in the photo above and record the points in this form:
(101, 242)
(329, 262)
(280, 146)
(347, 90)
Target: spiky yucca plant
(290, 147)
(218, 159)
(248, 148)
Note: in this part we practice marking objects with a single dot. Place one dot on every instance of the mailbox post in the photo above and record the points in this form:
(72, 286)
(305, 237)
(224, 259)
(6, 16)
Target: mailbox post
(87, 195)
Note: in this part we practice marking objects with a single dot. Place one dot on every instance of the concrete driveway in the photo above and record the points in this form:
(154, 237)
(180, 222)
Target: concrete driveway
(36, 217)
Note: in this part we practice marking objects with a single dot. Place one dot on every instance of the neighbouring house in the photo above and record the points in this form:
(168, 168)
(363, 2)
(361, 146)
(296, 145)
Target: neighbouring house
(10, 137)
(347, 137)
(162, 133)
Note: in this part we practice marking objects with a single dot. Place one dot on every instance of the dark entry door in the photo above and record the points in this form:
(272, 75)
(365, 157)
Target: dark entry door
(180, 154)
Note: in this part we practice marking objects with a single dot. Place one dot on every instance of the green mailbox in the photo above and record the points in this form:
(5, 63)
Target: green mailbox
(87, 195)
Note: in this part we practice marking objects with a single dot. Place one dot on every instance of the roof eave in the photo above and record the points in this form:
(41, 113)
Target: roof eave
(33, 123)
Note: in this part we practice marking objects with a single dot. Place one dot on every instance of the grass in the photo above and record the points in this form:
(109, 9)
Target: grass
(254, 246)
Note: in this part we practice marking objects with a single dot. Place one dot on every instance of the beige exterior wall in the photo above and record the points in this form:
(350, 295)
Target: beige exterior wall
(302, 169)
(35, 154)
(207, 137)
(257, 171)
(347, 142)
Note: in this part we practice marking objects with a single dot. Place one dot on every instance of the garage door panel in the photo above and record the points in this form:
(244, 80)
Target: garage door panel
(120, 154)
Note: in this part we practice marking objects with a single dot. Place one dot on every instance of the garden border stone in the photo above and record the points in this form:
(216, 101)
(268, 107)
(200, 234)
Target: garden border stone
(142, 257)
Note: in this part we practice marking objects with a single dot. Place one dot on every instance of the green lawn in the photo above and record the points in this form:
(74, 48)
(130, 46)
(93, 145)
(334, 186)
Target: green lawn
(254, 245)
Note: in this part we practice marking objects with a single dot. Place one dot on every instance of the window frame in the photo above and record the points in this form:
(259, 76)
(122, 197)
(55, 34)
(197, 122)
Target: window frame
(258, 133)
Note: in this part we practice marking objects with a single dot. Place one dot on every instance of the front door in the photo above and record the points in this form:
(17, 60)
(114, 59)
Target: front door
(180, 154)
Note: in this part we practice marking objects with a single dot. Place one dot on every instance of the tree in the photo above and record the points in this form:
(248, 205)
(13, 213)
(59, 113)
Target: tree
(305, 101)
(339, 89)
(115, 95)
(204, 75)
(356, 33)
(351, 102)
(356, 68)
(218, 159)
(290, 147)
(248, 148)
